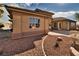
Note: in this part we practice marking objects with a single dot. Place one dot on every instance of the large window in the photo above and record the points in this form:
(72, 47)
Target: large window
(34, 22)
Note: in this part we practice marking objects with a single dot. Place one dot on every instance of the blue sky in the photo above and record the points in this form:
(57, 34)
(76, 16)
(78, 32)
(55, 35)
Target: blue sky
(59, 9)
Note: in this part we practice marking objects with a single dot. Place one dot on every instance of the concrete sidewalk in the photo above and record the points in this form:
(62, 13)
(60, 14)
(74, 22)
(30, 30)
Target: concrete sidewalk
(54, 33)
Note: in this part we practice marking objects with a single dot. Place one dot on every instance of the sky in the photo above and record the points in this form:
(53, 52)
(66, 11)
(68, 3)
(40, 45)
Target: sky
(4, 17)
(59, 9)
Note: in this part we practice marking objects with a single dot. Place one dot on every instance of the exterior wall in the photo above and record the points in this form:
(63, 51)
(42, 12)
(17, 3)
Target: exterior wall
(16, 23)
(55, 25)
(59, 25)
(65, 25)
(25, 21)
(16, 26)
(73, 25)
(47, 22)
(21, 25)
(25, 24)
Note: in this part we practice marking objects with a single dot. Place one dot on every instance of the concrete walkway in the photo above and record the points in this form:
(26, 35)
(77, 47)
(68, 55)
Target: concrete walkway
(74, 51)
(54, 33)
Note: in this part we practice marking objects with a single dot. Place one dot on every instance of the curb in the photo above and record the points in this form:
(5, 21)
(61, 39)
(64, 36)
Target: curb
(43, 45)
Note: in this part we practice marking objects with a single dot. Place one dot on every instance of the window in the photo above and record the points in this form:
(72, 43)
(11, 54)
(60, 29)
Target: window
(60, 25)
(34, 22)
(72, 26)
(55, 24)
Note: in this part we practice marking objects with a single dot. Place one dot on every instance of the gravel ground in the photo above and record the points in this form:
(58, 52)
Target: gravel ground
(62, 50)
(31, 46)
(37, 51)
(12, 47)
(50, 50)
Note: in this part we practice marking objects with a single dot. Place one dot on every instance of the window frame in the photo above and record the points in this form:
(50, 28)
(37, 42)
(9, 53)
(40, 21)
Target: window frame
(34, 21)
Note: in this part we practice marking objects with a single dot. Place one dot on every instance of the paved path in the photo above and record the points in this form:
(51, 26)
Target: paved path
(74, 51)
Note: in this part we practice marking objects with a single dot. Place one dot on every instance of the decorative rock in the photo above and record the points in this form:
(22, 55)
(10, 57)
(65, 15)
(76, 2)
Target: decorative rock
(56, 45)
(59, 39)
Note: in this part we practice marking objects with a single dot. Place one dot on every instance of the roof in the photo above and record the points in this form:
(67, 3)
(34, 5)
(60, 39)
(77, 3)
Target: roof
(63, 19)
(43, 11)
(28, 10)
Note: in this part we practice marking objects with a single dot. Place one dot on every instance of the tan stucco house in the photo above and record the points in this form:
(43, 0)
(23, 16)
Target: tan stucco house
(62, 23)
(27, 22)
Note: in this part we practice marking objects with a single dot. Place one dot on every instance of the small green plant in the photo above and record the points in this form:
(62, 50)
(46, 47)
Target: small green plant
(77, 16)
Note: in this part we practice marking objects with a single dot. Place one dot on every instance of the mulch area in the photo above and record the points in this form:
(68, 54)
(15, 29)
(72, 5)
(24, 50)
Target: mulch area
(62, 49)
(15, 46)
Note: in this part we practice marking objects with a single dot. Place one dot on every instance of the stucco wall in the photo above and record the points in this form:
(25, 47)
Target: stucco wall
(47, 22)
(16, 23)
(64, 25)
(21, 24)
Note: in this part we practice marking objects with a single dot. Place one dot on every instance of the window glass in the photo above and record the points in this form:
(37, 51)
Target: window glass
(34, 22)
